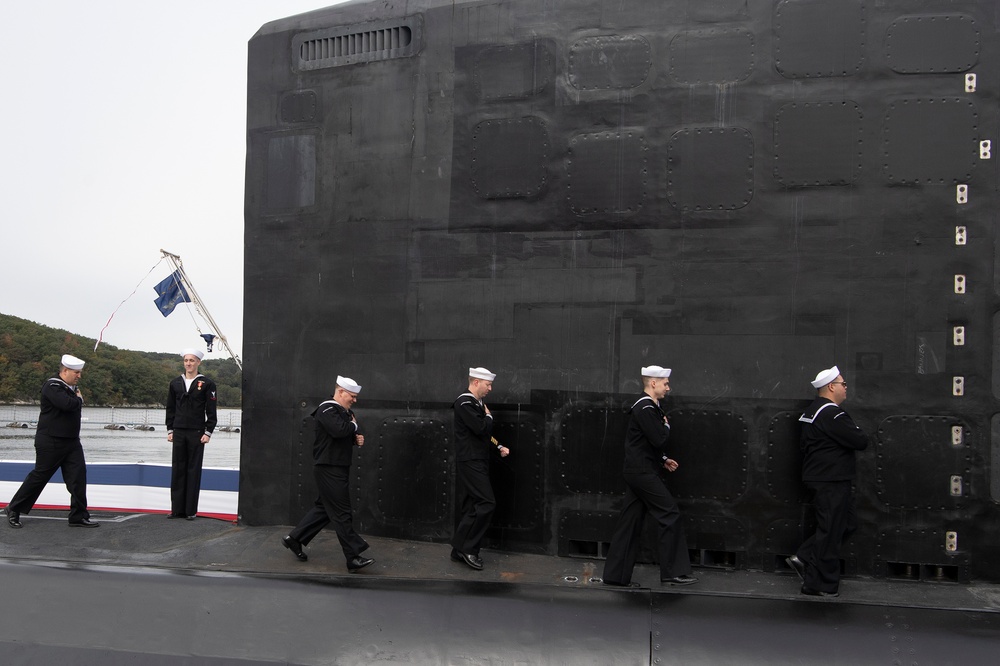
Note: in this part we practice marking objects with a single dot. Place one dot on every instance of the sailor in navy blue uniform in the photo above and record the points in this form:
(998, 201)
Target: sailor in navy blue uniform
(337, 433)
(829, 441)
(474, 443)
(191, 419)
(644, 470)
(57, 446)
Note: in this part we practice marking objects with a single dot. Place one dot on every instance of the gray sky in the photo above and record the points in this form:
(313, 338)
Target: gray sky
(124, 125)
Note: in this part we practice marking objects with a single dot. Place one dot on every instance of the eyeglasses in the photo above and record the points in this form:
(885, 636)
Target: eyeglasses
(844, 383)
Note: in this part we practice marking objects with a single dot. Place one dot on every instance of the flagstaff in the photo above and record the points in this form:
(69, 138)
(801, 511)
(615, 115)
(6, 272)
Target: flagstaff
(199, 305)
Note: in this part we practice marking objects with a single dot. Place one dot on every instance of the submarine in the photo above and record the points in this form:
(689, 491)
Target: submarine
(746, 192)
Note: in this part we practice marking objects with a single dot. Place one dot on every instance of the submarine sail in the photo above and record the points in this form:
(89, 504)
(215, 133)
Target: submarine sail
(745, 192)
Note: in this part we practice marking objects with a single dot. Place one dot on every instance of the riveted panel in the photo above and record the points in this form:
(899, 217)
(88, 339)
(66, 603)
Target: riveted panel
(712, 449)
(711, 56)
(717, 533)
(784, 458)
(710, 168)
(995, 349)
(994, 465)
(782, 538)
(717, 10)
(585, 533)
(609, 62)
(900, 548)
(932, 44)
(301, 106)
(513, 72)
(517, 480)
(303, 486)
(415, 449)
(607, 172)
(291, 172)
(817, 38)
(915, 460)
(930, 140)
(818, 144)
(592, 449)
(508, 158)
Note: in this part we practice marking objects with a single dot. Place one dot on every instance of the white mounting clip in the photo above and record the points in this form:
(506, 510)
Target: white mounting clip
(961, 235)
(956, 486)
(985, 149)
(962, 194)
(970, 83)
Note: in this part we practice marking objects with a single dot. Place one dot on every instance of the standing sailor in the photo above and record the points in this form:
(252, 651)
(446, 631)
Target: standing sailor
(644, 470)
(191, 418)
(829, 442)
(473, 443)
(57, 446)
(337, 433)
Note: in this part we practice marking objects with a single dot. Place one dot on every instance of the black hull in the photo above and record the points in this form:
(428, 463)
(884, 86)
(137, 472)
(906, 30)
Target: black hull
(563, 192)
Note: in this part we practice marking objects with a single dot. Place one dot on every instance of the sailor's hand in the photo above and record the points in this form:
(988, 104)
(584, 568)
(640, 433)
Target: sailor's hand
(359, 440)
(504, 451)
(670, 465)
(205, 438)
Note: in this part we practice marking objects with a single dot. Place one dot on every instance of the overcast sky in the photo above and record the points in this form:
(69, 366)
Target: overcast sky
(124, 125)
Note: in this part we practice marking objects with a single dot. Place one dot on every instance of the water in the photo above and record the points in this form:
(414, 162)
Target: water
(129, 445)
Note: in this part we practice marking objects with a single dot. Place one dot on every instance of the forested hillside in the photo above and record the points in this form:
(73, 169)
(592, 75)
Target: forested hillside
(30, 353)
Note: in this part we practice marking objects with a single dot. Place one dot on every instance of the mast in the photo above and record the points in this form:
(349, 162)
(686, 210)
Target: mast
(178, 265)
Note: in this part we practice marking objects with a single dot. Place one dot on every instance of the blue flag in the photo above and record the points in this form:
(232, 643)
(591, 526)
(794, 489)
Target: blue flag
(169, 293)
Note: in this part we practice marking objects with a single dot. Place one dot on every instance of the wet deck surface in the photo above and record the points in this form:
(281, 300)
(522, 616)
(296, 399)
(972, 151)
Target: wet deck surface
(131, 589)
(205, 544)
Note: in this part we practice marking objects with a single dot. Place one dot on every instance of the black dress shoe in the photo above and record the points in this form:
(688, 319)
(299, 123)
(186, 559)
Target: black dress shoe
(473, 561)
(188, 517)
(13, 518)
(613, 584)
(358, 562)
(172, 516)
(798, 566)
(679, 580)
(294, 546)
(818, 593)
(86, 522)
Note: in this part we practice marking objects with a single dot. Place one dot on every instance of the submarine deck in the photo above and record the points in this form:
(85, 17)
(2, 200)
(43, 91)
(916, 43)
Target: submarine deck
(212, 592)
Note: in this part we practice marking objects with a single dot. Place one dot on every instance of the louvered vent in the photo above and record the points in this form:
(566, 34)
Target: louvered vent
(348, 45)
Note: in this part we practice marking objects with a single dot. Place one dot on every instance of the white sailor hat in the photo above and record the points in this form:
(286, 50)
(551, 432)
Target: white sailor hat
(482, 373)
(191, 351)
(825, 377)
(348, 384)
(655, 371)
(72, 362)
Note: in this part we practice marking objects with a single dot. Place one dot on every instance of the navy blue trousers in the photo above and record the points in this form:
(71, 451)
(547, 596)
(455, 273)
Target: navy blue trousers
(333, 506)
(647, 492)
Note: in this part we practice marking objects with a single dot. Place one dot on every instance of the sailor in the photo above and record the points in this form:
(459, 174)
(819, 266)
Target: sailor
(829, 441)
(645, 467)
(337, 433)
(57, 446)
(191, 419)
(474, 443)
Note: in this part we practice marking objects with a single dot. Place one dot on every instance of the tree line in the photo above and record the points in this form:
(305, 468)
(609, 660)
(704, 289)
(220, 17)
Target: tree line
(30, 354)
